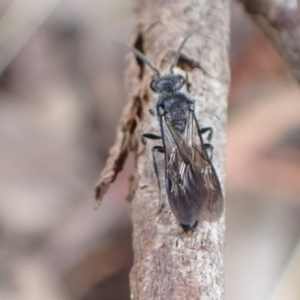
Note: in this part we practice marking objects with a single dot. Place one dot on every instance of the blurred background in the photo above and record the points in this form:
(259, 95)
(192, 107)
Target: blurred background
(61, 95)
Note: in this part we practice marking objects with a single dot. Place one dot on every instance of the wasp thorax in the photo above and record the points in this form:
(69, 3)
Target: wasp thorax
(167, 84)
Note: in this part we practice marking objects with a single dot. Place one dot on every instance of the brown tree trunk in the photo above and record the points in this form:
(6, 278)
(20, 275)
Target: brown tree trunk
(167, 263)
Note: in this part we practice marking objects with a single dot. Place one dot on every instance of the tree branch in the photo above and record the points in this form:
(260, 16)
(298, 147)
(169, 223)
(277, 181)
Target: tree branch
(280, 20)
(168, 264)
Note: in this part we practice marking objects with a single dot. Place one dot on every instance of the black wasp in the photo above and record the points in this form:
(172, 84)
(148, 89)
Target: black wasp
(192, 185)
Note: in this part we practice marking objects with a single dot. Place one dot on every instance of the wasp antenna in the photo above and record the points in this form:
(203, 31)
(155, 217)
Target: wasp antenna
(145, 60)
(180, 49)
(140, 56)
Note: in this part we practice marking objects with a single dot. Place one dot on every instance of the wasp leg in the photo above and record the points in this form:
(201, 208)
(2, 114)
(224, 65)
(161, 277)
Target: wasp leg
(154, 150)
(209, 150)
(209, 130)
(149, 136)
(191, 63)
(184, 59)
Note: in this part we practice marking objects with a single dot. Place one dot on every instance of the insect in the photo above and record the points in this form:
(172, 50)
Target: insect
(193, 188)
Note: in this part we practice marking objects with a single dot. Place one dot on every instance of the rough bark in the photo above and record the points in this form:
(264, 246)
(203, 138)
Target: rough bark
(168, 264)
(280, 20)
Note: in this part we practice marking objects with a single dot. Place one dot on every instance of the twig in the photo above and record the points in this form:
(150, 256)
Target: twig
(18, 23)
(168, 264)
(280, 20)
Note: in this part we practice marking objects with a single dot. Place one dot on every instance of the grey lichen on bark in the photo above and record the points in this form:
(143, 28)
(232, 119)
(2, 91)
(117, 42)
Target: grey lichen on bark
(167, 263)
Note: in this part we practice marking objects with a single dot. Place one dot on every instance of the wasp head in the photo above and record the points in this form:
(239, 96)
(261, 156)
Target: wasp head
(167, 84)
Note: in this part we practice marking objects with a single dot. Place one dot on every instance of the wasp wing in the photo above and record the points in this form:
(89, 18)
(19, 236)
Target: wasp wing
(192, 184)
